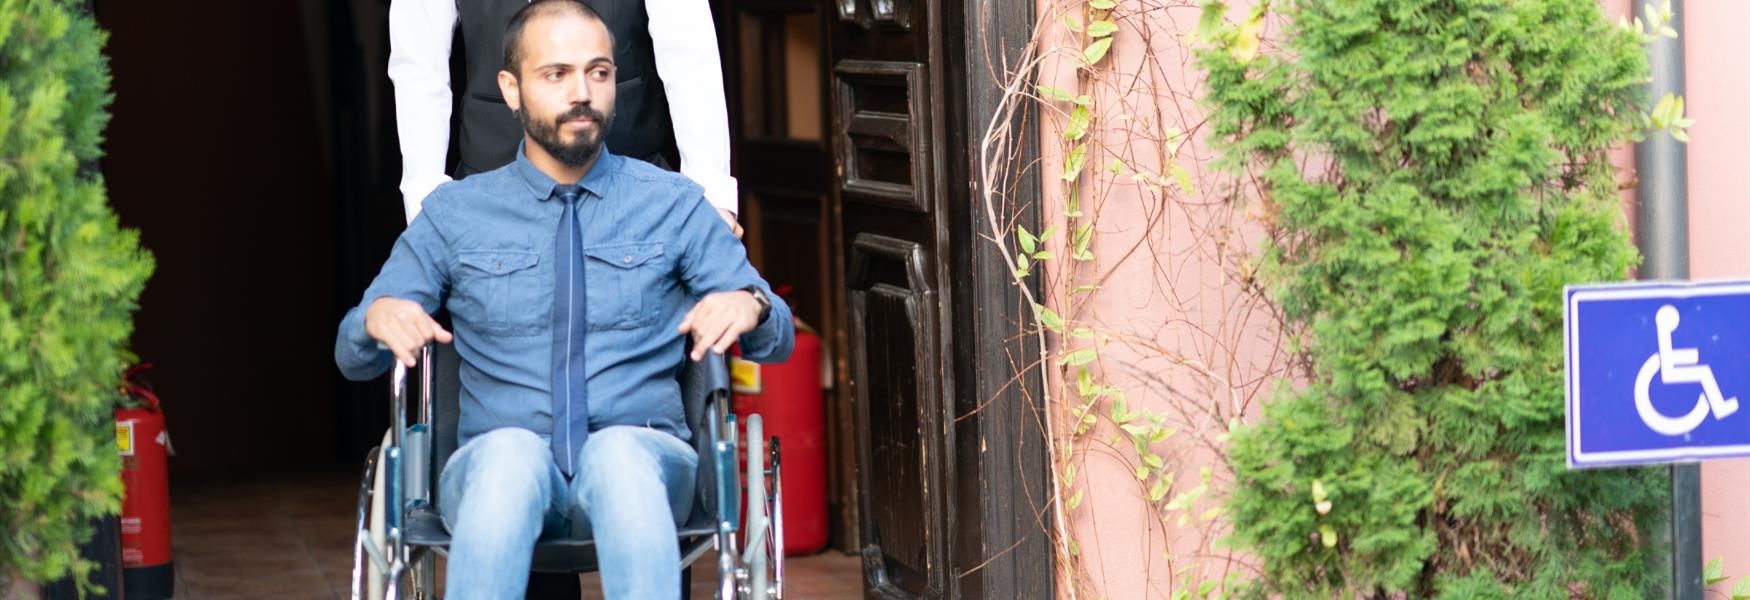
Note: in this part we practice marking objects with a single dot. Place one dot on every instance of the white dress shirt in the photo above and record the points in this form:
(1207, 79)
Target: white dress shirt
(685, 45)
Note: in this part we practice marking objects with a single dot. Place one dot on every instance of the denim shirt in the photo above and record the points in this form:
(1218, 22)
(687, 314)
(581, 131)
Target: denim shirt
(483, 247)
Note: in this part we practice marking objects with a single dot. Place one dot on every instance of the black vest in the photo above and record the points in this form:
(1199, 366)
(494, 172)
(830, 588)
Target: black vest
(488, 133)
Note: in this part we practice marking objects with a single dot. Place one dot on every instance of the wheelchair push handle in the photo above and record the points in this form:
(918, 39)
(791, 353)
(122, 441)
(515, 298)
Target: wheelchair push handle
(716, 373)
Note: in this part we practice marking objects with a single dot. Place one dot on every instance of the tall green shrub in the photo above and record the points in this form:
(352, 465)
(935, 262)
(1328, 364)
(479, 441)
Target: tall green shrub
(69, 281)
(1431, 173)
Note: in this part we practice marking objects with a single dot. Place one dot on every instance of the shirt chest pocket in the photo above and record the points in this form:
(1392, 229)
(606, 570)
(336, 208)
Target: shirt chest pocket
(503, 291)
(625, 284)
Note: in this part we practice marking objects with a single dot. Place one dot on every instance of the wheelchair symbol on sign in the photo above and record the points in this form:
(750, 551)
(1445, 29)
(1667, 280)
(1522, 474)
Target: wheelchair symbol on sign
(1675, 366)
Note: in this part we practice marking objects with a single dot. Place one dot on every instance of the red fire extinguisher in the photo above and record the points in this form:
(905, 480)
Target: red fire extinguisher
(147, 570)
(791, 402)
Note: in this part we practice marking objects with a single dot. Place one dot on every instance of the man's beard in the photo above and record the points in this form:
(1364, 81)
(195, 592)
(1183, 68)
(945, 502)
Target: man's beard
(582, 149)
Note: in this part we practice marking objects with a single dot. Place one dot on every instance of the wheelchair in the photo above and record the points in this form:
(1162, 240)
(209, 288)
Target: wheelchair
(400, 533)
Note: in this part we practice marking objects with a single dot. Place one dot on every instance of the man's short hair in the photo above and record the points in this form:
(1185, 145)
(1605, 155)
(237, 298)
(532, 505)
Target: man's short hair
(513, 34)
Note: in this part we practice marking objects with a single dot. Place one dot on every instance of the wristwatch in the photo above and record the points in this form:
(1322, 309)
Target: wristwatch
(759, 295)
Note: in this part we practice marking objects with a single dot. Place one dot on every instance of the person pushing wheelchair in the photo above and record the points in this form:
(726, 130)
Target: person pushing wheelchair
(573, 277)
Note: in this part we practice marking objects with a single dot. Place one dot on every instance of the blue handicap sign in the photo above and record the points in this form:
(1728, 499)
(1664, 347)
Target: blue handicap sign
(1657, 373)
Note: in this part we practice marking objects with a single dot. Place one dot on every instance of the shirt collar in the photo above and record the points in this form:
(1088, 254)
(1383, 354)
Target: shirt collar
(541, 186)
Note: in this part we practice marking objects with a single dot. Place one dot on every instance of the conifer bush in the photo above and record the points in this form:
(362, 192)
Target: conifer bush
(1430, 174)
(69, 281)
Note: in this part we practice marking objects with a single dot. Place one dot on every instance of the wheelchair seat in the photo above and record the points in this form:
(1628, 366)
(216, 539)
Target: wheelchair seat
(424, 526)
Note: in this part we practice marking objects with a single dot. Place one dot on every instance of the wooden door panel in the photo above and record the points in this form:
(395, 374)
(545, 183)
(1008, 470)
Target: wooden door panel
(883, 143)
(895, 363)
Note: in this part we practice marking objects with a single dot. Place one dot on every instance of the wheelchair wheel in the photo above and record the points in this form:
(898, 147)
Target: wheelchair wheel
(764, 555)
(367, 579)
(419, 580)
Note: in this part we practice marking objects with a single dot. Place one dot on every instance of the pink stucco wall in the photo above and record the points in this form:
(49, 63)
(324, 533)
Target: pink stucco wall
(1189, 344)
(1716, 48)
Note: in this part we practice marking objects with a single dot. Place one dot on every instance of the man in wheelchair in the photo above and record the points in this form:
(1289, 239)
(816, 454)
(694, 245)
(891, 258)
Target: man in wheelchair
(572, 277)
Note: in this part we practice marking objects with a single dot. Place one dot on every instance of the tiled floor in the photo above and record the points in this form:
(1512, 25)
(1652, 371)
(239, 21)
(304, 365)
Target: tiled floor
(291, 538)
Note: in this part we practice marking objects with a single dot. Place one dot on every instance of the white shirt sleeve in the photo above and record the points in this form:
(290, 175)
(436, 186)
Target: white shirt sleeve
(685, 43)
(419, 65)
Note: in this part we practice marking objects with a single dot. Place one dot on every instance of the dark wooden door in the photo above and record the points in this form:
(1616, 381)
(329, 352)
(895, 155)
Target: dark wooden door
(776, 78)
(853, 148)
(887, 129)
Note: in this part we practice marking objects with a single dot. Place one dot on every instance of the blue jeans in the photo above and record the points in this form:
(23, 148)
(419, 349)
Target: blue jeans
(501, 492)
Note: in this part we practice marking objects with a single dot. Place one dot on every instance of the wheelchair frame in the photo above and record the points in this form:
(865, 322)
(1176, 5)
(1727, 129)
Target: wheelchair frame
(397, 480)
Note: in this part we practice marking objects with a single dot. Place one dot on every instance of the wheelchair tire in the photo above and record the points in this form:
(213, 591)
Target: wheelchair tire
(757, 524)
(375, 580)
(777, 528)
(361, 561)
(419, 581)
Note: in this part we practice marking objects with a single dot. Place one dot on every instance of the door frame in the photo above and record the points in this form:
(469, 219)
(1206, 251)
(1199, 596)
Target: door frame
(1000, 544)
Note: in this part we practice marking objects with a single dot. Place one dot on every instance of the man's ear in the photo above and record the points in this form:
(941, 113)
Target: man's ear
(507, 87)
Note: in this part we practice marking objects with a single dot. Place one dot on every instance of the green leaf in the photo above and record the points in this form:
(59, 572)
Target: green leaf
(1028, 242)
(1096, 51)
(1154, 461)
(1158, 490)
(1049, 231)
(1078, 357)
(1102, 28)
(1141, 473)
(1076, 500)
(1102, 4)
(1183, 178)
(1082, 289)
(1210, 21)
(1710, 574)
(1071, 24)
(1115, 166)
(1206, 587)
(1069, 475)
(1075, 549)
(1044, 255)
(1072, 162)
(1058, 94)
(1245, 44)
(1742, 590)
(1049, 318)
(1077, 127)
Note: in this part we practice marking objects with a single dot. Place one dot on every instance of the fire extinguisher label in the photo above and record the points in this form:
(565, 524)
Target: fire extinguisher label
(130, 525)
(744, 376)
(124, 437)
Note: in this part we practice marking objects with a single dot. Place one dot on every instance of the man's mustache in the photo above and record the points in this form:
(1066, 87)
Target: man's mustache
(581, 111)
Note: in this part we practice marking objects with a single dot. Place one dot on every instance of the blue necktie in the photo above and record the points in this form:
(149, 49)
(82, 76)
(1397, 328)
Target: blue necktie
(570, 310)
